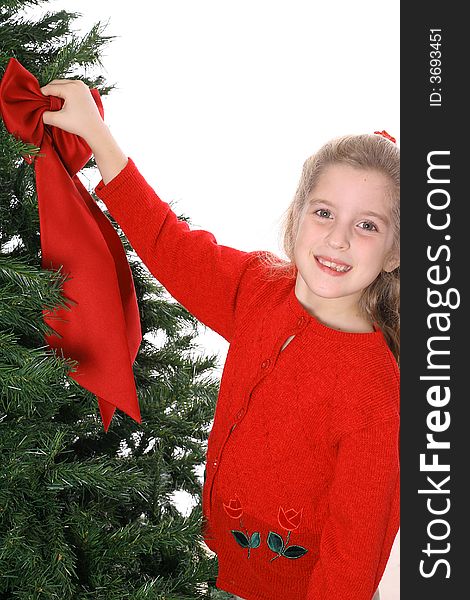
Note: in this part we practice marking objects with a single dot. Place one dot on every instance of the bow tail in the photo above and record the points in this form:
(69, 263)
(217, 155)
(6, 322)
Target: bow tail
(102, 328)
(123, 271)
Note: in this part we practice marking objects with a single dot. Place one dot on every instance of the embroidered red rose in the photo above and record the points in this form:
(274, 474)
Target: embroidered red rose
(290, 519)
(234, 509)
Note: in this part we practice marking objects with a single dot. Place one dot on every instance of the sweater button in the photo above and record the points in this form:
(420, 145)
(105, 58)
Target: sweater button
(300, 321)
(240, 413)
(265, 364)
(215, 463)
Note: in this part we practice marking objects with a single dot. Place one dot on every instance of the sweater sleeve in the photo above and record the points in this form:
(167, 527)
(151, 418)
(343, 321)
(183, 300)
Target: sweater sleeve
(363, 515)
(199, 273)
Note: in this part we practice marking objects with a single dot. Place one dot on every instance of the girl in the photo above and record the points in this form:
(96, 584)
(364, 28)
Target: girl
(301, 490)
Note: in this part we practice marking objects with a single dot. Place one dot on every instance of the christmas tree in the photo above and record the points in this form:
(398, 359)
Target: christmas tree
(84, 513)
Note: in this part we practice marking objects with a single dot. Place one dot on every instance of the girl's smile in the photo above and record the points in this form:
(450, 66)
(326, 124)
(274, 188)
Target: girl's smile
(332, 266)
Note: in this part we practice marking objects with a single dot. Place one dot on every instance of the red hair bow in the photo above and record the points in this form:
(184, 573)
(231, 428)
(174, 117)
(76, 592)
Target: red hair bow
(386, 135)
(102, 329)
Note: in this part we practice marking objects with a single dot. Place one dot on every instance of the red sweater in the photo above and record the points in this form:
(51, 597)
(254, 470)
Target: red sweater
(301, 492)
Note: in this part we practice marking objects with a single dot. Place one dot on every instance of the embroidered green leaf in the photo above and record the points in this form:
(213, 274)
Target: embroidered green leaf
(275, 542)
(294, 551)
(240, 538)
(255, 540)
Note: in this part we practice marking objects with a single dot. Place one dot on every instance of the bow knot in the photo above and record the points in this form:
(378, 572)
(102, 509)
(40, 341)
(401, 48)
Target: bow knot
(22, 107)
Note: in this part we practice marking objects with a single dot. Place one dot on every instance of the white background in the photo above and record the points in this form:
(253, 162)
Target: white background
(219, 102)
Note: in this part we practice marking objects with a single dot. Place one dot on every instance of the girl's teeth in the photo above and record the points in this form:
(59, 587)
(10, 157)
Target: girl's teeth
(333, 265)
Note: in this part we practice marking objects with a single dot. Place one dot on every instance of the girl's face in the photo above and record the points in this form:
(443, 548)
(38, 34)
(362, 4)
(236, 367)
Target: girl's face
(346, 220)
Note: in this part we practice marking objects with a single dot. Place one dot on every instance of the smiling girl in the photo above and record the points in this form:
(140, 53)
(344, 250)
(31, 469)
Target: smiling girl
(301, 491)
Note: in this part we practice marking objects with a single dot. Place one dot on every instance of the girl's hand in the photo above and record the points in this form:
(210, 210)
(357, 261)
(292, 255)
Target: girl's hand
(79, 114)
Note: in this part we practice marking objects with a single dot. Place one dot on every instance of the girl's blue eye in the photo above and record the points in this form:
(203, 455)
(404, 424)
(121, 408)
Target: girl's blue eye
(372, 224)
(322, 210)
(373, 227)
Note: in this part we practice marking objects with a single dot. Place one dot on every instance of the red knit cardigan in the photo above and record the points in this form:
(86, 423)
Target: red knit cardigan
(301, 492)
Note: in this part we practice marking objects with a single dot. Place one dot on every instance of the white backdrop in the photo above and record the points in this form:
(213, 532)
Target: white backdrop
(219, 102)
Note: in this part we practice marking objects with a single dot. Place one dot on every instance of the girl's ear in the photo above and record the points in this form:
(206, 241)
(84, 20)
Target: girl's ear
(391, 264)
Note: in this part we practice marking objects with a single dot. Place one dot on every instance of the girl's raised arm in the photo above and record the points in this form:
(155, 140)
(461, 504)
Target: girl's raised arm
(204, 276)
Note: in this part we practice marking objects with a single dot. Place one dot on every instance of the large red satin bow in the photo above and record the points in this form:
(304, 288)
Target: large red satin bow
(102, 329)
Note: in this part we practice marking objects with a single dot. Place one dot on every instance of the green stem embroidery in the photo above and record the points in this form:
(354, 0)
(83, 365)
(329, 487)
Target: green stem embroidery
(245, 540)
(246, 531)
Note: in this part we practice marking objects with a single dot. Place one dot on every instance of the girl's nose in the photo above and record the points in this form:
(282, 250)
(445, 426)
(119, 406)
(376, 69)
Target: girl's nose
(337, 238)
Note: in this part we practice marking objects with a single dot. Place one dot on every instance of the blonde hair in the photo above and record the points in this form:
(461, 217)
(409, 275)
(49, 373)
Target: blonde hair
(380, 301)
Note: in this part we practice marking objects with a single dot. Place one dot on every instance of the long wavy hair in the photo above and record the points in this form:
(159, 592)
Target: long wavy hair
(380, 301)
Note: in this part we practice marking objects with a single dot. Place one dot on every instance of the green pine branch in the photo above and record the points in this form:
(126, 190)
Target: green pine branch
(86, 514)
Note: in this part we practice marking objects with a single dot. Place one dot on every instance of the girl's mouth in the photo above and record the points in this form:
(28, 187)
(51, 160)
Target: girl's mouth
(331, 270)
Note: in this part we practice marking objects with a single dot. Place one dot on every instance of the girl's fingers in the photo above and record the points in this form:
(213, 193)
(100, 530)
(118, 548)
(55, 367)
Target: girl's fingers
(57, 87)
(54, 81)
(49, 117)
(79, 112)
(49, 91)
